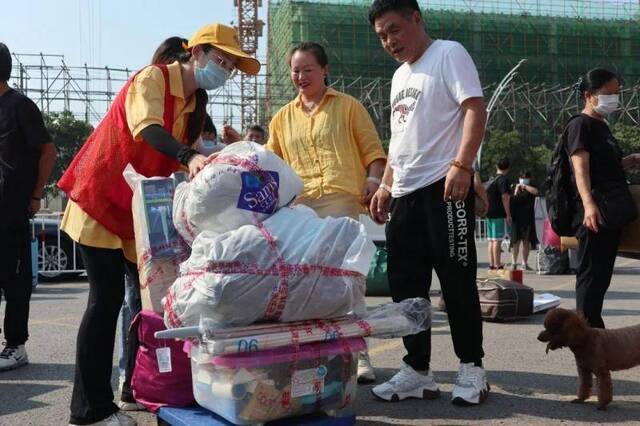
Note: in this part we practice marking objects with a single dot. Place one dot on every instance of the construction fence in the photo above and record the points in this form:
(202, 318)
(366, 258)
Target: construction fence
(560, 40)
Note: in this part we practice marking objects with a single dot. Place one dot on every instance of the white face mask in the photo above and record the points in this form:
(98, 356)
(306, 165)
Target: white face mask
(523, 181)
(207, 146)
(607, 104)
(211, 76)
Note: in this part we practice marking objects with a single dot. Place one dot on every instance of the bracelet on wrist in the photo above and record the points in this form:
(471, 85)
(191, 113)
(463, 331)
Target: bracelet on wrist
(374, 179)
(385, 187)
(185, 155)
(459, 165)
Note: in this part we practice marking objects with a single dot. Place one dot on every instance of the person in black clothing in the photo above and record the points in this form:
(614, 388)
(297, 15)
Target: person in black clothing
(499, 214)
(27, 157)
(598, 166)
(523, 230)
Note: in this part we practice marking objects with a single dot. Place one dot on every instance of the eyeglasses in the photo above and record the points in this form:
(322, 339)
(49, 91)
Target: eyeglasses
(226, 63)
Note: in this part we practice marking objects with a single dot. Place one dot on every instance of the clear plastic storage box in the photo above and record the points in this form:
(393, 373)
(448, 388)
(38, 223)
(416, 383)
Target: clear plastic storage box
(256, 387)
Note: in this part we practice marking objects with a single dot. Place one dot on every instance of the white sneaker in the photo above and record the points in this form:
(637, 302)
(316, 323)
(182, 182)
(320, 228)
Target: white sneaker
(131, 406)
(124, 405)
(471, 386)
(408, 383)
(366, 374)
(13, 357)
(116, 419)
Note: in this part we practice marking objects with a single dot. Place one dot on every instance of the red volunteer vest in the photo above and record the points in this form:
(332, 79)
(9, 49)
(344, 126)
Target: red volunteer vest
(94, 178)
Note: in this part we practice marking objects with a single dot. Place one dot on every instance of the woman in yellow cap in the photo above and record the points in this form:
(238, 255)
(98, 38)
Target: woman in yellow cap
(151, 124)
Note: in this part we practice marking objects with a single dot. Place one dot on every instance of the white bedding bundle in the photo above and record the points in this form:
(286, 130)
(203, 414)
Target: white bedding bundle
(292, 266)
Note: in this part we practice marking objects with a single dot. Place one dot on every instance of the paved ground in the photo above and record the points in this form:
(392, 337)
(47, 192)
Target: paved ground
(528, 386)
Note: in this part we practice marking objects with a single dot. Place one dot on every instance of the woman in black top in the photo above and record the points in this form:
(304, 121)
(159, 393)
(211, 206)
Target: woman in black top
(523, 230)
(598, 166)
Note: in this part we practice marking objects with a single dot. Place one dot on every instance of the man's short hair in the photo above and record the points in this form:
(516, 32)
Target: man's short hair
(380, 7)
(5, 62)
(504, 164)
(257, 128)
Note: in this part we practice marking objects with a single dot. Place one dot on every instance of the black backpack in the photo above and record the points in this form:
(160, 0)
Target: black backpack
(560, 193)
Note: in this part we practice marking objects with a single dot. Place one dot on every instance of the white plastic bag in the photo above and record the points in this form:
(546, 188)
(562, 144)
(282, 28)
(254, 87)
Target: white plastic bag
(505, 244)
(244, 185)
(293, 266)
(387, 321)
(391, 320)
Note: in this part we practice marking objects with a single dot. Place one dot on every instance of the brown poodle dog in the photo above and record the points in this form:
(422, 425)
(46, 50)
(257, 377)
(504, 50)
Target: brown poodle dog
(597, 351)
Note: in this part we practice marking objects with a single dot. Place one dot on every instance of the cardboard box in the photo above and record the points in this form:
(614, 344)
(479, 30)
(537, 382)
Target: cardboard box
(159, 247)
(630, 237)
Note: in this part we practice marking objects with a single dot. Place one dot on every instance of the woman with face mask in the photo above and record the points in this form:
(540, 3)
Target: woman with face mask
(152, 124)
(598, 169)
(170, 50)
(208, 143)
(523, 227)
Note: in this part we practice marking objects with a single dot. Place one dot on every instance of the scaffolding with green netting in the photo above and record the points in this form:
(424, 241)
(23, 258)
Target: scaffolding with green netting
(560, 40)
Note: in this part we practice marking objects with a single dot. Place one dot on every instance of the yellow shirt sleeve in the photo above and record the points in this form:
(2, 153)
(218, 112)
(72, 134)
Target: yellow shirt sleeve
(365, 134)
(274, 136)
(144, 104)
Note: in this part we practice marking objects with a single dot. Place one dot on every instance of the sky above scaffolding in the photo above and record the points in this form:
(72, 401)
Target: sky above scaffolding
(117, 33)
(124, 34)
(108, 33)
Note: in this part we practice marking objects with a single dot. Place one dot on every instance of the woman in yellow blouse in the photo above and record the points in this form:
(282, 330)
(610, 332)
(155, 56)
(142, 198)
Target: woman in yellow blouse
(328, 138)
(152, 125)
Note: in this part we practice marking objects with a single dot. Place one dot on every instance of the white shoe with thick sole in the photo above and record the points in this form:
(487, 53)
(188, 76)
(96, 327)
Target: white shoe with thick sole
(116, 419)
(366, 373)
(471, 386)
(13, 357)
(131, 406)
(124, 405)
(408, 383)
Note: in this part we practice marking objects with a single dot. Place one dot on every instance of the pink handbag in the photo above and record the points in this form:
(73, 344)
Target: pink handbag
(549, 237)
(152, 388)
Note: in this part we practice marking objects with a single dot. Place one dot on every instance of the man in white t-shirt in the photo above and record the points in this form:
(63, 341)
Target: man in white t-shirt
(437, 124)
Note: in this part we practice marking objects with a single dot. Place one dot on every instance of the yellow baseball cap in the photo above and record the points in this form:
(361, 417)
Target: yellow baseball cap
(225, 39)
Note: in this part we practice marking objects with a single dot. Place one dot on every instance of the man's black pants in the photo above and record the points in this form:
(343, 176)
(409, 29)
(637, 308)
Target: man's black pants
(426, 233)
(15, 280)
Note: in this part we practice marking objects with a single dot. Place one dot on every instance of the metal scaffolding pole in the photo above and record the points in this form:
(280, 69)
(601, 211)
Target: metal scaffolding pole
(249, 30)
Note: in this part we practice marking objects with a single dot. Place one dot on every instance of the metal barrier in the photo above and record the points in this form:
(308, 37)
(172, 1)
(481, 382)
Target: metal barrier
(57, 253)
(481, 230)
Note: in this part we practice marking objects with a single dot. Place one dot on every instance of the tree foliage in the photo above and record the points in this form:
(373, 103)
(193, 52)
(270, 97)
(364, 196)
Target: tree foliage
(499, 144)
(68, 135)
